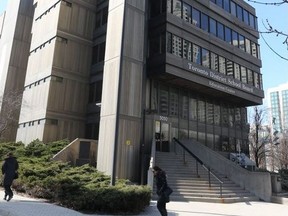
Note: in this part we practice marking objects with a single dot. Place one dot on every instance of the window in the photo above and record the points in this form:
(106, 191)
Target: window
(201, 111)
(163, 42)
(173, 103)
(205, 58)
(225, 116)
(176, 46)
(228, 35)
(243, 74)
(212, 27)
(239, 12)
(210, 113)
(248, 46)
(104, 15)
(222, 65)
(233, 8)
(254, 49)
(98, 53)
(220, 30)
(235, 38)
(101, 17)
(261, 83)
(219, 3)
(237, 74)
(246, 16)
(184, 105)
(196, 17)
(250, 76)
(169, 6)
(256, 80)
(214, 61)
(187, 12)
(241, 42)
(95, 92)
(217, 114)
(231, 117)
(204, 22)
(252, 20)
(192, 109)
(227, 5)
(187, 50)
(177, 8)
(169, 42)
(237, 117)
(196, 54)
(230, 68)
(98, 19)
(163, 100)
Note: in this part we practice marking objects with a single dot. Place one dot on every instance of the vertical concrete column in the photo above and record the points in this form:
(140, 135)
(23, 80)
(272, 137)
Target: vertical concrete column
(121, 108)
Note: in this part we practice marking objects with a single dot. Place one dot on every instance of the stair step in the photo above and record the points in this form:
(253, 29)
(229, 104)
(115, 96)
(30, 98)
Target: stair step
(188, 185)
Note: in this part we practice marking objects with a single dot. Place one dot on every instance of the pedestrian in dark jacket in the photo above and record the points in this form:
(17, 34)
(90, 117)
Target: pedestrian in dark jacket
(161, 184)
(9, 168)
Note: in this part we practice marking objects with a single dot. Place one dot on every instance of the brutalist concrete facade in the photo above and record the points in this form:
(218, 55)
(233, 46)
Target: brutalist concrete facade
(126, 72)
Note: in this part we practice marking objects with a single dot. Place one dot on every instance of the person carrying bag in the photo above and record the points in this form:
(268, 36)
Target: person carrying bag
(163, 190)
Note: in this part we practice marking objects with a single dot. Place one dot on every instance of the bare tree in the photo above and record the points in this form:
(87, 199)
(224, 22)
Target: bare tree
(283, 150)
(259, 138)
(9, 113)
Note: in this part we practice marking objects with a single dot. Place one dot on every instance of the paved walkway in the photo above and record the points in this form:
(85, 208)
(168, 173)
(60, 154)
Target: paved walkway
(24, 206)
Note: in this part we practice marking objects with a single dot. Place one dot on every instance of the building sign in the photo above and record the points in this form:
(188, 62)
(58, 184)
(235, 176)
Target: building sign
(221, 78)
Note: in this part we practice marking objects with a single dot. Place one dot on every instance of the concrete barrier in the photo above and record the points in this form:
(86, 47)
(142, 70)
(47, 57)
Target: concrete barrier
(71, 153)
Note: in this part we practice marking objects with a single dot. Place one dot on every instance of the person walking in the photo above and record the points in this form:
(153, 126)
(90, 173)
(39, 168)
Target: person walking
(9, 170)
(161, 184)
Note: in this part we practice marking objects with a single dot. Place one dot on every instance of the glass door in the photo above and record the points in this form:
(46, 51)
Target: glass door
(162, 136)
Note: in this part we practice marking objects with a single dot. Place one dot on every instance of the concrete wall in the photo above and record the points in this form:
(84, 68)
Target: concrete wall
(259, 183)
(71, 152)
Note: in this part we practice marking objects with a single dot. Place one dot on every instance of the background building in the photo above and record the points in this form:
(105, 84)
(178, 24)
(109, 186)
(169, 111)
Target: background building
(15, 38)
(127, 72)
(278, 105)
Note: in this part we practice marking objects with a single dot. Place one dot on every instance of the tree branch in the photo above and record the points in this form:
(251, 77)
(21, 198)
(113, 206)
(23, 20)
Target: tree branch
(269, 3)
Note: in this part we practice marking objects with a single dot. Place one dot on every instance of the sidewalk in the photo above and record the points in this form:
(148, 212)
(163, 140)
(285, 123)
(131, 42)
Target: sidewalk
(24, 206)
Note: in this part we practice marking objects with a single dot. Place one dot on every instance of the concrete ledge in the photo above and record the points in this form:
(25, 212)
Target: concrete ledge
(279, 200)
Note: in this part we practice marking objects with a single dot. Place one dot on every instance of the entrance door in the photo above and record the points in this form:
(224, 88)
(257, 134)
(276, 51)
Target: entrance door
(162, 136)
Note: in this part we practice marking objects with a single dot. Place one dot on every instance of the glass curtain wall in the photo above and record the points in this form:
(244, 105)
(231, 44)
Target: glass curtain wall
(217, 125)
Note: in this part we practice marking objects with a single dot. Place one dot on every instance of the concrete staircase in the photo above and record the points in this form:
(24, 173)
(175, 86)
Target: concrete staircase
(188, 186)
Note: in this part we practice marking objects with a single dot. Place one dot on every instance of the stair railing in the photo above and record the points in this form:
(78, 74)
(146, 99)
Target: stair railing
(150, 177)
(198, 161)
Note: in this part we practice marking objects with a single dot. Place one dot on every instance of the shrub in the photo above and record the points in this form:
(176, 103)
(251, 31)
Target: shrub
(80, 188)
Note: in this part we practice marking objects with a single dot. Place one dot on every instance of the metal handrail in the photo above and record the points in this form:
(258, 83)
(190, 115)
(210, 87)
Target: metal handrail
(150, 176)
(202, 164)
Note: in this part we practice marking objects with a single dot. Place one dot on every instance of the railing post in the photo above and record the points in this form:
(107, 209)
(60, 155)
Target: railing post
(197, 169)
(184, 157)
(209, 177)
(220, 190)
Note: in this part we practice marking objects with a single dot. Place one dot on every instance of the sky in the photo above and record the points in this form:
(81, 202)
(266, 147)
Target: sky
(274, 69)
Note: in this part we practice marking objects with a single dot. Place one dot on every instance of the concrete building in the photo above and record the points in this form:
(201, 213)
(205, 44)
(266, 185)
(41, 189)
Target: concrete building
(126, 72)
(15, 38)
(278, 105)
